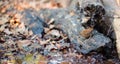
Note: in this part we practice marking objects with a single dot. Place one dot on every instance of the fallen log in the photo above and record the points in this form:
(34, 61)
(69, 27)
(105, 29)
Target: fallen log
(113, 10)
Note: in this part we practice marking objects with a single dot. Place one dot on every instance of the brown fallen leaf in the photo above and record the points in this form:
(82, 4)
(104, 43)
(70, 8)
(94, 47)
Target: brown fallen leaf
(4, 19)
(30, 32)
(2, 28)
(42, 62)
(51, 21)
(46, 30)
(72, 13)
(110, 61)
(7, 31)
(65, 62)
(4, 8)
(2, 40)
(79, 56)
(86, 32)
(55, 33)
(22, 43)
(58, 46)
(43, 42)
(51, 26)
(85, 19)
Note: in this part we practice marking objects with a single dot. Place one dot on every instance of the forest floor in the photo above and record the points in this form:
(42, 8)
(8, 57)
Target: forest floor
(18, 44)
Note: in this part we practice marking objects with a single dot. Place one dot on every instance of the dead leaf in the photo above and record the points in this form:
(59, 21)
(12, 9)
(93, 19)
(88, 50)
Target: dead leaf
(2, 40)
(46, 30)
(52, 26)
(58, 46)
(2, 28)
(7, 31)
(22, 43)
(86, 32)
(65, 62)
(55, 33)
(72, 13)
(51, 21)
(43, 42)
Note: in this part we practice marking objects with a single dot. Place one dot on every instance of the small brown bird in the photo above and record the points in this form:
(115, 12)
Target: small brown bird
(86, 32)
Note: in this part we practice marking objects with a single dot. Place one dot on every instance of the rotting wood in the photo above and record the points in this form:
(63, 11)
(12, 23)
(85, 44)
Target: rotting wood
(114, 10)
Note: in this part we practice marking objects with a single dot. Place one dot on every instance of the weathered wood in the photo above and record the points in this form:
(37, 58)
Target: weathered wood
(113, 9)
(116, 25)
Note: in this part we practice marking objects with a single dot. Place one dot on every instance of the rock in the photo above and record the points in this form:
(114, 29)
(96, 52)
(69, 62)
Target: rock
(33, 21)
(72, 26)
(94, 42)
